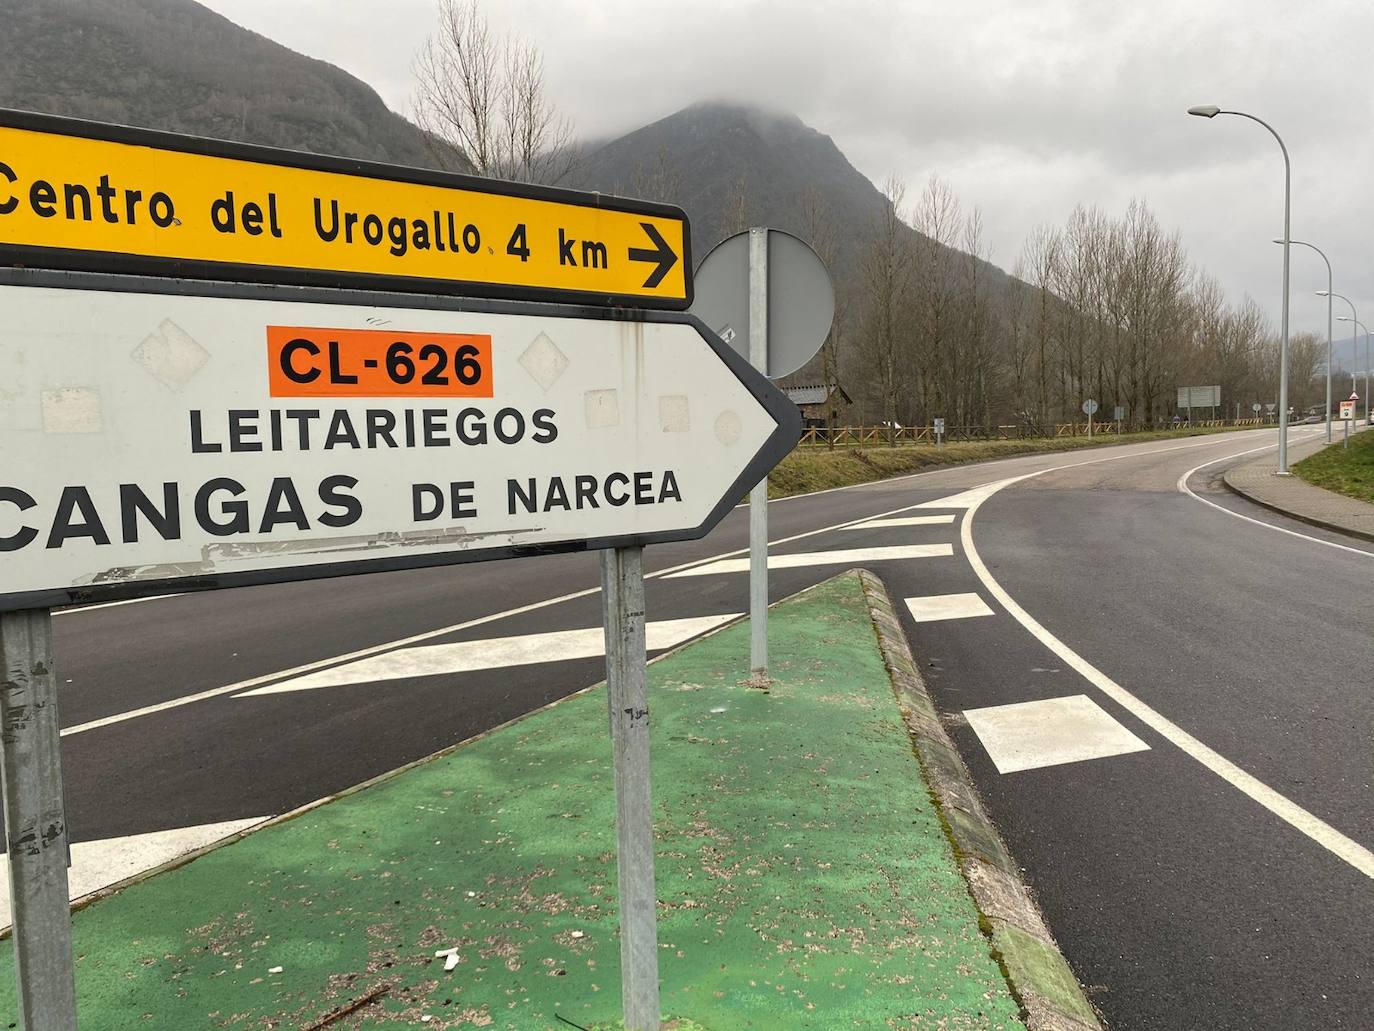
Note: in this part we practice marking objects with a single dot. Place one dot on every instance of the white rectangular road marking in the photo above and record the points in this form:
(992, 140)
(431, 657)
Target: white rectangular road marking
(98, 864)
(947, 606)
(883, 524)
(468, 656)
(852, 557)
(1049, 732)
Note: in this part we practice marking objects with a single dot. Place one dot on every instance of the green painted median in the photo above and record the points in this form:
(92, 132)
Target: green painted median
(803, 876)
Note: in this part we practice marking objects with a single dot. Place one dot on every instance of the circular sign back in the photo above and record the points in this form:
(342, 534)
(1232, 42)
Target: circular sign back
(801, 299)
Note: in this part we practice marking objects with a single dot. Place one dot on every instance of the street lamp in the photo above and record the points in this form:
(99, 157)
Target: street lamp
(1366, 360)
(1304, 243)
(1211, 111)
(1355, 318)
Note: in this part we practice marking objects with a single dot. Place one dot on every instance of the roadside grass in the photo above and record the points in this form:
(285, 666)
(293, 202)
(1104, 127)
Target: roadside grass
(816, 468)
(1344, 471)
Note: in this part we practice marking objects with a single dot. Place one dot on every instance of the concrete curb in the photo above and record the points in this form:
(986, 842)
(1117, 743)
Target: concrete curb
(1040, 978)
(1229, 479)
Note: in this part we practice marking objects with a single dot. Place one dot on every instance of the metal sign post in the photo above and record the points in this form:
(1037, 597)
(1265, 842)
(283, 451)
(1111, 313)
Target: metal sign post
(735, 287)
(35, 823)
(758, 497)
(622, 607)
(939, 431)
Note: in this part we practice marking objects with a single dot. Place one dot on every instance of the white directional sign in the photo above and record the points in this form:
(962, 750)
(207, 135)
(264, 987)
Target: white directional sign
(1347, 410)
(165, 441)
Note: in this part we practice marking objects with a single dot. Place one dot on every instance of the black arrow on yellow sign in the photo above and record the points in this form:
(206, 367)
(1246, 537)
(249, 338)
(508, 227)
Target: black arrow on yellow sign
(662, 254)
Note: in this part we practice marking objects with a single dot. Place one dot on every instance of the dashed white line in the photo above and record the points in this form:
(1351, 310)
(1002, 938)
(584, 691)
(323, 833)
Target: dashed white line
(935, 607)
(1049, 732)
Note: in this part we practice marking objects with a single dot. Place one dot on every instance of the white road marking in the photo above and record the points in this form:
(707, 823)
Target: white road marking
(114, 604)
(266, 678)
(1182, 485)
(883, 524)
(1345, 848)
(947, 606)
(971, 498)
(853, 556)
(493, 653)
(1049, 732)
(98, 864)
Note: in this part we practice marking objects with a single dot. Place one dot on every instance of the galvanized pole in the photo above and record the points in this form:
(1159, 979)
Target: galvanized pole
(35, 823)
(758, 497)
(622, 593)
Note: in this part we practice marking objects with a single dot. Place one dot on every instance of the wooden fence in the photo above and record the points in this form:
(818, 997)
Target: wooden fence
(858, 436)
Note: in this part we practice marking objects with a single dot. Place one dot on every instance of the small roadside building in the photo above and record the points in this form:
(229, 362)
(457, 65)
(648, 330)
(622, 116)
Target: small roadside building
(815, 401)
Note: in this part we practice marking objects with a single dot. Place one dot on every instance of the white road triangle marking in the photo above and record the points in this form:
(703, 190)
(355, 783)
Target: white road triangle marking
(970, 497)
(98, 864)
(493, 653)
(851, 557)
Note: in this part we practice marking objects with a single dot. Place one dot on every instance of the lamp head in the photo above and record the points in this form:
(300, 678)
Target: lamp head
(1342, 318)
(1205, 110)
(1325, 293)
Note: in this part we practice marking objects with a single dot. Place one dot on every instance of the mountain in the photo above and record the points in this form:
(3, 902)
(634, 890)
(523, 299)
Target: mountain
(722, 161)
(178, 66)
(730, 166)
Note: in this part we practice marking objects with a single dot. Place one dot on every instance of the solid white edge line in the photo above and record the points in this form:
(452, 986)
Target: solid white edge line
(1347, 849)
(1182, 485)
(267, 678)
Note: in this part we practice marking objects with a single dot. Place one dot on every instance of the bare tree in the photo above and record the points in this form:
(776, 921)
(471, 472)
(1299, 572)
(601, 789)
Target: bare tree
(886, 269)
(660, 181)
(735, 212)
(482, 96)
(821, 232)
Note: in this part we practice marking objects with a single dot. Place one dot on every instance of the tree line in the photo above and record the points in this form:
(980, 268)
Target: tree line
(1102, 307)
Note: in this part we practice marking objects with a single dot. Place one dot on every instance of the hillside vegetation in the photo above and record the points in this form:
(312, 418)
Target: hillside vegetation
(177, 66)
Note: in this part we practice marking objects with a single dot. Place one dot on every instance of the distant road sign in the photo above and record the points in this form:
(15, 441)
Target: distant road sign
(1347, 410)
(155, 440)
(801, 299)
(1089, 407)
(1270, 407)
(1199, 397)
(1256, 407)
(90, 197)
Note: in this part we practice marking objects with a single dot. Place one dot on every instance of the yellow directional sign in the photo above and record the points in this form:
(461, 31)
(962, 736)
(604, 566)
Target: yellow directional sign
(91, 197)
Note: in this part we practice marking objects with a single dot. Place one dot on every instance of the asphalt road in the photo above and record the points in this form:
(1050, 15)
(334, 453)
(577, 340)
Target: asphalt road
(1213, 874)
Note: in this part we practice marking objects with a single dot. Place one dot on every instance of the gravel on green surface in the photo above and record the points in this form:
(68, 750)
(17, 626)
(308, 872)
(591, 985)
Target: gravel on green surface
(804, 880)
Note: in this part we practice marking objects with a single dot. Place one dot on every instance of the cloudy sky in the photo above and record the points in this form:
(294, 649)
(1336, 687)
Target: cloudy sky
(1027, 107)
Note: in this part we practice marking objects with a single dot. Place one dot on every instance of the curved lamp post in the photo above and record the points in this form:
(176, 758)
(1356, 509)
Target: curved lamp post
(1354, 319)
(1304, 243)
(1366, 360)
(1211, 111)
